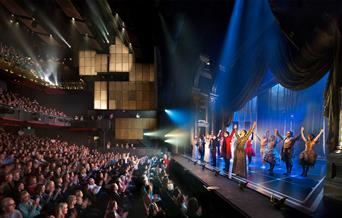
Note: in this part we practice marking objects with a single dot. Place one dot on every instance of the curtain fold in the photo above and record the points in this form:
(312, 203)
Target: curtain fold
(299, 69)
(262, 46)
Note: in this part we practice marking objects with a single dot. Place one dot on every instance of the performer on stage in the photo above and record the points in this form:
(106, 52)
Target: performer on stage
(308, 156)
(286, 150)
(263, 144)
(226, 148)
(201, 147)
(213, 144)
(239, 167)
(207, 149)
(270, 155)
(249, 149)
(195, 148)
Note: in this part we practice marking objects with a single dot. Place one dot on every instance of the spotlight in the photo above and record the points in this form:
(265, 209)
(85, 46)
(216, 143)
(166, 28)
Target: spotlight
(34, 23)
(243, 185)
(50, 35)
(123, 29)
(208, 63)
(73, 19)
(137, 116)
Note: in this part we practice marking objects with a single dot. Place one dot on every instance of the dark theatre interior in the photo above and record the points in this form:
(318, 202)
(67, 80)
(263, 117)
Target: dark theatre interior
(170, 108)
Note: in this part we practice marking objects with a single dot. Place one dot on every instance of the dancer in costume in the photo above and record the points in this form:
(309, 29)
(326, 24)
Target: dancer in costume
(249, 149)
(263, 145)
(308, 157)
(286, 150)
(207, 149)
(239, 167)
(213, 145)
(201, 147)
(195, 147)
(270, 157)
(226, 148)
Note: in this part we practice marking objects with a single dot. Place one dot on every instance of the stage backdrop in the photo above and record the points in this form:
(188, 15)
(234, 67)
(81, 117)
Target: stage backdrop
(284, 109)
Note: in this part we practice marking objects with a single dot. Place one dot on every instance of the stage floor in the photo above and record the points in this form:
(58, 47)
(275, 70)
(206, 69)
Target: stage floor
(293, 186)
(302, 193)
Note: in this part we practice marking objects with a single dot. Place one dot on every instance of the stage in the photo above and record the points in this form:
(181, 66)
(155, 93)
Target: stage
(303, 194)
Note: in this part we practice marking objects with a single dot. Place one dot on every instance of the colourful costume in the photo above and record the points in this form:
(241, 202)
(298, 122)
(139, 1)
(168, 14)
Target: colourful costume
(239, 167)
(308, 157)
(286, 151)
(249, 150)
(226, 150)
(270, 157)
(263, 145)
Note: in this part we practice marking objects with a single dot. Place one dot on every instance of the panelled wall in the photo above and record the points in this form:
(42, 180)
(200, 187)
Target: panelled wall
(138, 93)
(133, 128)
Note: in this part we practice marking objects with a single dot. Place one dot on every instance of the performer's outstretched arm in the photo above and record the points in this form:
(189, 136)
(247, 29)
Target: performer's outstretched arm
(319, 135)
(235, 130)
(250, 131)
(278, 134)
(302, 133)
(258, 137)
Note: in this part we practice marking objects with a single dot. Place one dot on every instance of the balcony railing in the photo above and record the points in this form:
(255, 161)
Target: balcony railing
(15, 114)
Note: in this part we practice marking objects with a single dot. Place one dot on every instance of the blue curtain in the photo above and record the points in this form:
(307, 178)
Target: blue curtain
(284, 109)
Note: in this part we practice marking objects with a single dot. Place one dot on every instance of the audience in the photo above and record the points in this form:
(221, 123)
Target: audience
(16, 58)
(51, 178)
(49, 171)
(26, 104)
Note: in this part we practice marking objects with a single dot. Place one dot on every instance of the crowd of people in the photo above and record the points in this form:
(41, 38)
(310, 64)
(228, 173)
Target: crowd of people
(221, 145)
(43, 177)
(15, 57)
(162, 196)
(27, 104)
(46, 177)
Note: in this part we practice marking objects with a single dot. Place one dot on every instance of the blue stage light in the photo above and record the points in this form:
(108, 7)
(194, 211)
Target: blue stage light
(178, 116)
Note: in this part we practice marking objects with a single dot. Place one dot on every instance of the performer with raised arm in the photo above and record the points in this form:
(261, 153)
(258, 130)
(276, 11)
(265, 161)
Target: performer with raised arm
(226, 148)
(213, 145)
(239, 167)
(270, 155)
(286, 150)
(249, 149)
(263, 145)
(308, 156)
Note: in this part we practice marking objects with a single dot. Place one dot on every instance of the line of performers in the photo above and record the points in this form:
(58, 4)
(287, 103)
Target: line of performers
(268, 143)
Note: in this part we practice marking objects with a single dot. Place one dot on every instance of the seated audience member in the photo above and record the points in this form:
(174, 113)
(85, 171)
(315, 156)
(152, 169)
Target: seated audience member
(112, 211)
(62, 210)
(28, 207)
(8, 209)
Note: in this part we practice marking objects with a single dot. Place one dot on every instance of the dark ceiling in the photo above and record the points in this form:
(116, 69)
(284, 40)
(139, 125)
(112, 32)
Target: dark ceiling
(38, 19)
(207, 19)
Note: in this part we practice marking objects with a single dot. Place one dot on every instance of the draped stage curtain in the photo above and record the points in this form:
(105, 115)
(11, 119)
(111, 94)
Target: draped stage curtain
(299, 69)
(294, 68)
(280, 108)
